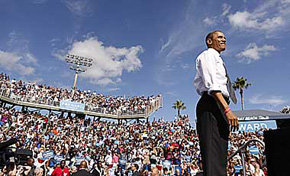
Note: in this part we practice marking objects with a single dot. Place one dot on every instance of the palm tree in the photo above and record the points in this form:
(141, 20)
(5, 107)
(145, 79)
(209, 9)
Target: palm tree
(241, 84)
(179, 105)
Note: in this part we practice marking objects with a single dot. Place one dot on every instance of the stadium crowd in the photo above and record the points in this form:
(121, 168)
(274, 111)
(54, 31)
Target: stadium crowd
(48, 95)
(61, 144)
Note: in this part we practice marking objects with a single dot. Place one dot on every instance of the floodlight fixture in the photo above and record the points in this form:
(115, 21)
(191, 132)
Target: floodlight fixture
(78, 64)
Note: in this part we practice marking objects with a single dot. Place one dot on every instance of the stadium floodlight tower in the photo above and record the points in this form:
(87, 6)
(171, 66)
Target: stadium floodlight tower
(78, 64)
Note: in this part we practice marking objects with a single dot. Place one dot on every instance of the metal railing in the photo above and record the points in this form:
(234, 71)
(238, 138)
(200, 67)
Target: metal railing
(7, 95)
(242, 152)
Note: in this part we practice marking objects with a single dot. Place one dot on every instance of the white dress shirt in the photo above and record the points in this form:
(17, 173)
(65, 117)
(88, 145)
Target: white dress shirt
(210, 73)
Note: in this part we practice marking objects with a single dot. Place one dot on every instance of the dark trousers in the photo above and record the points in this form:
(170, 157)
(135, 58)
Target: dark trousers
(213, 132)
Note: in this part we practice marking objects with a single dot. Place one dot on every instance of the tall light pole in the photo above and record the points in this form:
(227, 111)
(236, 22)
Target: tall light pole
(78, 64)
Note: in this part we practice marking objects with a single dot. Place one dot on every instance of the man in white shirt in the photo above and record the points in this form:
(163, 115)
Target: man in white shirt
(214, 117)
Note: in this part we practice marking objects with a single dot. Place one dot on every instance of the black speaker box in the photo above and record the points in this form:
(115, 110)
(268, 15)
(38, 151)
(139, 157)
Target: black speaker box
(278, 151)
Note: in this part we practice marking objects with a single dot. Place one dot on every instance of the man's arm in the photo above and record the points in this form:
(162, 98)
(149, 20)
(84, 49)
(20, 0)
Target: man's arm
(231, 117)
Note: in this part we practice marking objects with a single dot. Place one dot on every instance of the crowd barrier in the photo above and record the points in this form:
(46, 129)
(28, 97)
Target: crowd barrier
(7, 96)
(242, 151)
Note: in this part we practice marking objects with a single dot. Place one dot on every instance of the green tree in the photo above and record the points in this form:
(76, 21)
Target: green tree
(179, 105)
(241, 84)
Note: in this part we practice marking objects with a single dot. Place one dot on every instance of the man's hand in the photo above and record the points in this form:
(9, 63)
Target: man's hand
(231, 117)
(233, 120)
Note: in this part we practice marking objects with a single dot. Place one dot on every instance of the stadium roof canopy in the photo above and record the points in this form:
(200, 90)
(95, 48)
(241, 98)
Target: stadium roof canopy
(248, 115)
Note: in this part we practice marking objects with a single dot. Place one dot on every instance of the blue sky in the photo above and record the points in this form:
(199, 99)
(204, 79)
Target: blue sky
(148, 47)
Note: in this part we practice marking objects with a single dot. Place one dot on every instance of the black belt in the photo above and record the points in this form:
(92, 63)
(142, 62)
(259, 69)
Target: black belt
(225, 97)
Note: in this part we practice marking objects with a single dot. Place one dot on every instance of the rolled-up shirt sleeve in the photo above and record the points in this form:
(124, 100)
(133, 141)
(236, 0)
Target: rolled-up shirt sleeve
(208, 72)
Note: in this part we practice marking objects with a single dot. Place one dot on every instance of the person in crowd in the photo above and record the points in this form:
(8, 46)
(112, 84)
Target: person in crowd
(165, 172)
(97, 169)
(61, 170)
(48, 95)
(152, 146)
(135, 170)
(155, 172)
(38, 171)
(83, 170)
(45, 168)
(30, 163)
(10, 168)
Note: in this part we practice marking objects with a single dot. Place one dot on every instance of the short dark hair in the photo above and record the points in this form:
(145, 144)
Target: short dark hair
(209, 36)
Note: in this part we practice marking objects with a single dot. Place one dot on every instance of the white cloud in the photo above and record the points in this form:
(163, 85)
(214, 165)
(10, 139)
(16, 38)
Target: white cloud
(165, 46)
(269, 16)
(247, 20)
(168, 68)
(226, 9)
(187, 34)
(17, 57)
(182, 38)
(59, 53)
(272, 100)
(14, 62)
(18, 43)
(29, 58)
(109, 63)
(214, 20)
(104, 81)
(53, 42)
(253, 52)
(113, 89)
(185, 66)
(78, 7)
(209, 21)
